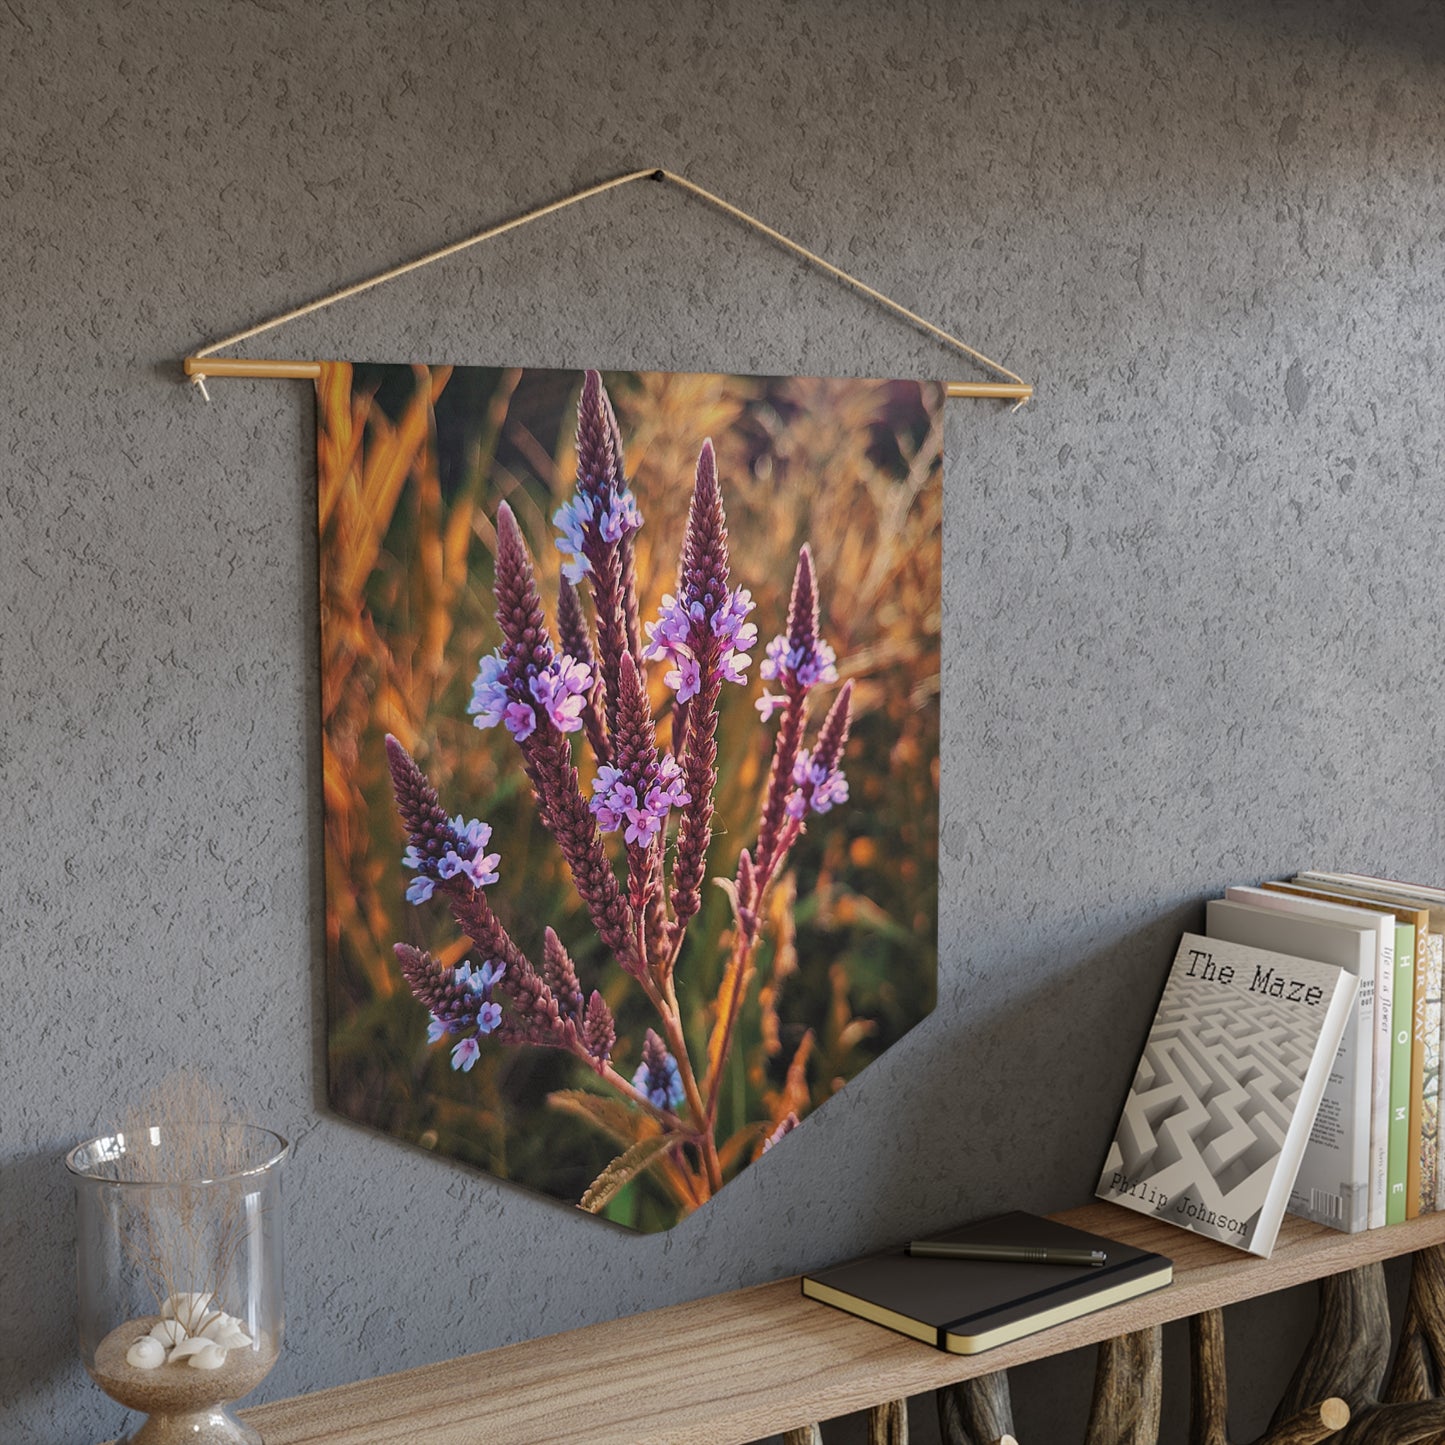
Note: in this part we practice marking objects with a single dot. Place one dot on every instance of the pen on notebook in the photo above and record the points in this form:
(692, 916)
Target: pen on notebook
(1005, 1253)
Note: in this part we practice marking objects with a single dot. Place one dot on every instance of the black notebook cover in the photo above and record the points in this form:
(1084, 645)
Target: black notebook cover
(966, 1305)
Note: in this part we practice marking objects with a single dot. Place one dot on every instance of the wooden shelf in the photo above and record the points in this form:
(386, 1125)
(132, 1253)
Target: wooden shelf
(735, 1367)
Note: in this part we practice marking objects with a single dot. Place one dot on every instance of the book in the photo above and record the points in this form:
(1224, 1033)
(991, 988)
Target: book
(1333, 1183)
(1427, 1187)
(1216, 1120)
(1384, 1000)
(966, 1306)
(1402, 1008)
(1301, 904)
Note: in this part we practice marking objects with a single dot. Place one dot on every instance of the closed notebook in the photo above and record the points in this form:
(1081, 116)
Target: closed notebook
(965, 1306)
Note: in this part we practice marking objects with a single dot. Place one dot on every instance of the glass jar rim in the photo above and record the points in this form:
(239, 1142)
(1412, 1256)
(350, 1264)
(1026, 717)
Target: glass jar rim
(111, 1147)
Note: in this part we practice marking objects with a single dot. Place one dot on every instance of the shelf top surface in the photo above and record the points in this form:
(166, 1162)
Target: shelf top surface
(759, 1361)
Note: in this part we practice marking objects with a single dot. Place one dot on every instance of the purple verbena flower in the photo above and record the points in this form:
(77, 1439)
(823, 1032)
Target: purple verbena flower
(615, 803)
(730, 625)
(669, 786)
(455, 998)
(502, 691)
(613, 798)
(603, 511)
(685, 679)
(470, 1006)
(611, 518)
(493, 703)
(667, 637)
(799, 658)
(816, 786)
(657, 1076)
(562, 690)
(681, 636)
(619, 517)
(489, 692)
(809, 664)
(439, 848)
(480, 980)
(571, 519)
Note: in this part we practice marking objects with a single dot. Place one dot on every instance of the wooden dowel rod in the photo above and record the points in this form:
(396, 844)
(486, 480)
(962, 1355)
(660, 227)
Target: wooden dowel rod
(209, 366)
(998, 390)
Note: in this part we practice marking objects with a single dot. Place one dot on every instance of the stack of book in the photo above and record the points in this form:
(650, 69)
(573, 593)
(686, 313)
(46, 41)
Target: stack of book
(1293, 1065)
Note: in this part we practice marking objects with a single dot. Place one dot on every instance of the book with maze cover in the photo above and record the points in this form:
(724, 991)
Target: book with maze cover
(1215, 1124)
(966, 1306)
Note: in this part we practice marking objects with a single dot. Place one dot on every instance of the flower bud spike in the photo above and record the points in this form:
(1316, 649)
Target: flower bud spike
(803, 603)
(599, 1032)
(560, 974)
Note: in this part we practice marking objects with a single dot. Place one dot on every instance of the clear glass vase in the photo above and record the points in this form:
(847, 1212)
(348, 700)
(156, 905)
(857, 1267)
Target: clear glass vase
(179, 1277)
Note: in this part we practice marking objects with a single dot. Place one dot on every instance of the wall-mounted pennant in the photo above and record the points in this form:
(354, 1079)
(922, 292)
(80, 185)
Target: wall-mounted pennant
(630, 702)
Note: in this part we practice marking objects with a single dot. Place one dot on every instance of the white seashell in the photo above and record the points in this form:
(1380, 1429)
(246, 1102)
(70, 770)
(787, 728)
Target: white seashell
(168, 1332)
(187, 1306)
(226, 1332)
(191, 1345)
(211, 1357)
(146, 1354)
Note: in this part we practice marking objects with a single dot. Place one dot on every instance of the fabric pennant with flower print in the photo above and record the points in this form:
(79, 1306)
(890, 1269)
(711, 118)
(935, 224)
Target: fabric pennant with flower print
(592, 644)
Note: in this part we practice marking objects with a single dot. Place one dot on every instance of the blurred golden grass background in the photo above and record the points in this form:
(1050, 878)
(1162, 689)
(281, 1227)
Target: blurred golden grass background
(413, 463)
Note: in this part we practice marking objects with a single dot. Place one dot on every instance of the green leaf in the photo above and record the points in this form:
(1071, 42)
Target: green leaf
(622, 1122)
(622, 1171)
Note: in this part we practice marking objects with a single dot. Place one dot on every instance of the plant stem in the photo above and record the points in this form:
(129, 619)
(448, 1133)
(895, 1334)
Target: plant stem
(738, 971)
(667, 1011)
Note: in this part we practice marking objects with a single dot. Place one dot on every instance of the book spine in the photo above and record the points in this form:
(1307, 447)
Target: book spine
(1380, 1088)
(1420, 992)
(1402, 1029)
(1429, 1045)
(1332, 1186)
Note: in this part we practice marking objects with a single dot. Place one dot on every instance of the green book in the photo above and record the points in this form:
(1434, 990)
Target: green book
(966, 1306)
(1402, 1013)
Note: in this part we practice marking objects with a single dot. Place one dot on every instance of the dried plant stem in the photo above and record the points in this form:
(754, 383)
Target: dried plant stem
(735, 985)
(186, 1232)
(669, 1014)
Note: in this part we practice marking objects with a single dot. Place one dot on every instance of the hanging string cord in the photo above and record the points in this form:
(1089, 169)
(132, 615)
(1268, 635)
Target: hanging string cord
(839, 274)
(198, 376)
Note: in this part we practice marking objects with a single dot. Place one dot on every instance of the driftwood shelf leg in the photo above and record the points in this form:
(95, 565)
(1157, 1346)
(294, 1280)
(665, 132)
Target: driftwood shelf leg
(976, 1412)
(1209, 1396)
(1311, 1426)
(1349, 1349)
(805, 1435)
(1417, 1373)
(1128, 1390)
(1208, 1388)
(888, 1424)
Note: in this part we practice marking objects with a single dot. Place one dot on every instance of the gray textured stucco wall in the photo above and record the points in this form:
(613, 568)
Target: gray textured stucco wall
(1194, 602)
